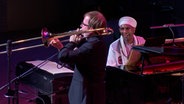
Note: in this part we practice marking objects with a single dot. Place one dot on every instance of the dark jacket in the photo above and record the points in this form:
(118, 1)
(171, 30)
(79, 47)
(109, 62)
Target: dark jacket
(90, 61)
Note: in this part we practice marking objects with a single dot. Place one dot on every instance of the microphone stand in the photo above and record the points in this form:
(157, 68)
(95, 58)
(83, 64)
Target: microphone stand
(16, 80)
(173, 35)
(10, 92)
(182, 87)
(170, 28)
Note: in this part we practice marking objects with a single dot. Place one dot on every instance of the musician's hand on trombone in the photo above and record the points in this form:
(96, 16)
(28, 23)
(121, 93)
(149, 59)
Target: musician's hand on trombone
(56, 43)
(76, 38)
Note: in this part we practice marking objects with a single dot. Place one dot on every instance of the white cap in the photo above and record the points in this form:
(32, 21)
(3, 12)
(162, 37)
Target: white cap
(127, 20)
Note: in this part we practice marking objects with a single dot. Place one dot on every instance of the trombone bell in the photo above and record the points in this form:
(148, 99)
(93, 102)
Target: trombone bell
(45, 36)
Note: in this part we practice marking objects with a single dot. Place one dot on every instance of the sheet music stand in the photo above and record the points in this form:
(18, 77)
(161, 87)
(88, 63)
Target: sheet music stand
(146, 50)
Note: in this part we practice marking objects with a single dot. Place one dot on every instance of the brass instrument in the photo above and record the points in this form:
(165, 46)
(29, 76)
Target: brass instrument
(47, 36)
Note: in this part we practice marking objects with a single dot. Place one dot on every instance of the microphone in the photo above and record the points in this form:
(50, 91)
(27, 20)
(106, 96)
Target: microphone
(163, 26)
(9, 47)
(166, 26)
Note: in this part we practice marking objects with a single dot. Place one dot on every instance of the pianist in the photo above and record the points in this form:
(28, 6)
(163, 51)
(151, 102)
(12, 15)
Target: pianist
(120, 52)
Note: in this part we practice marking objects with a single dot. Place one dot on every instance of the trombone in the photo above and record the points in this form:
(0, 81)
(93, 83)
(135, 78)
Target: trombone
(46, 36)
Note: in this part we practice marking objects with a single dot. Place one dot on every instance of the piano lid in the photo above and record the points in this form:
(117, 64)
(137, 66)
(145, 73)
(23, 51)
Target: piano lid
(165, 50)
(144, 49)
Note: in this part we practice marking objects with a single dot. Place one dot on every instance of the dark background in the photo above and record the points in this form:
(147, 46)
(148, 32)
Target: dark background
(24, 19)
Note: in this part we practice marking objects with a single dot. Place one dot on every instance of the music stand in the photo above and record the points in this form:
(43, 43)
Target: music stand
(146, 50)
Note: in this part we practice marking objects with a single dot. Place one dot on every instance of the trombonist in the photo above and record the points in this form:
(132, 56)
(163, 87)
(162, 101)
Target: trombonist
(88, 53)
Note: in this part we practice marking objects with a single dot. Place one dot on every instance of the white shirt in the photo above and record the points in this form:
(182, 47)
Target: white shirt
(118, 52)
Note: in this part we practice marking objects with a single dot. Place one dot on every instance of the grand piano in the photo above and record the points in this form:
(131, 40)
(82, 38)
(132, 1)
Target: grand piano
(158, 81)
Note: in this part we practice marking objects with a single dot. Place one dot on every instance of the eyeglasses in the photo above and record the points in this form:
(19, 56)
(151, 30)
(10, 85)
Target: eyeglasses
(84, 24)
